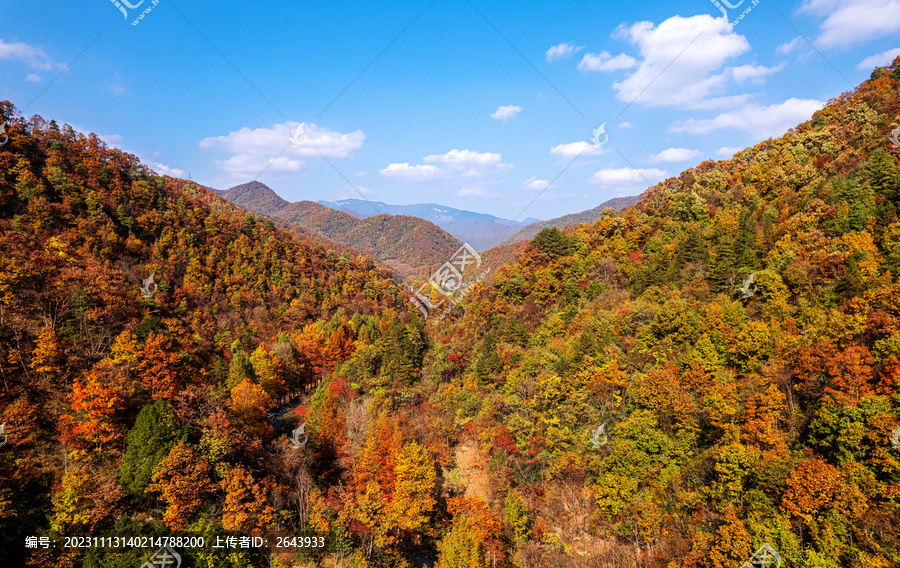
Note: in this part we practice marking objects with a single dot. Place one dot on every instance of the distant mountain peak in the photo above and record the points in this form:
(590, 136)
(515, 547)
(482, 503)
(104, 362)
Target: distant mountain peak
(256, 196)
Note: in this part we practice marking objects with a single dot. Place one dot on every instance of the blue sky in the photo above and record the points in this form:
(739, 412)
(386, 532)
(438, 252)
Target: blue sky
(472, 105)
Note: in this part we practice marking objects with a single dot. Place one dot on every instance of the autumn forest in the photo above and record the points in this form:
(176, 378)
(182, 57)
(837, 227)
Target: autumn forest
(736, 333)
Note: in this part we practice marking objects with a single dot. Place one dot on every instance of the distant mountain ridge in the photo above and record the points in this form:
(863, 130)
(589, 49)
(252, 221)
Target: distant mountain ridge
(589, 216)
(355, 223)
(409, 245)
(480, 230)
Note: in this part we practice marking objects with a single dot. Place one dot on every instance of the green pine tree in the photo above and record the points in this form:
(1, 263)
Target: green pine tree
(156, 430)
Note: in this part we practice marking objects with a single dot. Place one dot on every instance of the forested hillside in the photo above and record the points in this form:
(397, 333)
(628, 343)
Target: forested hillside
(737, 411)
(408, 245)
(255, 196)
(734, 417)
(590, 217)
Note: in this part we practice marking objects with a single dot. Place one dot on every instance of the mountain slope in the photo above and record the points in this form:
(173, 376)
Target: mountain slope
(410, 245)
(753, 410)
(621, 395)
(589, 216)
(255, 196)
(480, 230)
(237, 317)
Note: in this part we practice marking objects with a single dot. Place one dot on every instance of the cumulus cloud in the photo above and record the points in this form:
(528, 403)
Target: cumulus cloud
(880, 60)
(456, 163)
(675, 155)
(469, 162)
(562, 51)
(165, 170)
(423, 173)
(728, 151)
(506, 112)
(627, 180)
(272, 149)
(32, 56)
(625, 124)
(759, 121)
(573, 149)
(846, 22)
(535, 183)
(682, 62)
(603, 61)
(32, 78)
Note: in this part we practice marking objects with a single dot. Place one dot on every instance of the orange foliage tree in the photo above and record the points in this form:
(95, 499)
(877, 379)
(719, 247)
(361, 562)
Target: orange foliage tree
(182, 479)
(92, 428)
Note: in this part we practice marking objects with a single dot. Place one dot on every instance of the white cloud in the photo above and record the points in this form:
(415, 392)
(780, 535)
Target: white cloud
(271, 149)
(625, 125)
(682, 62)
(853, 21)
(790, 46)
(32, 56)
(561, 51)
(535, 183)
(758, 121)
(675, 155)
(165, 170)
(728, 151)
(462, 163)
(114, 140)
(880, 60)
(754, 73)
(506, 112)
(628, 178)
(422, 174)
(32, 78)
(605, 62)
(475, 190)
(474, 163)
(573, 149)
